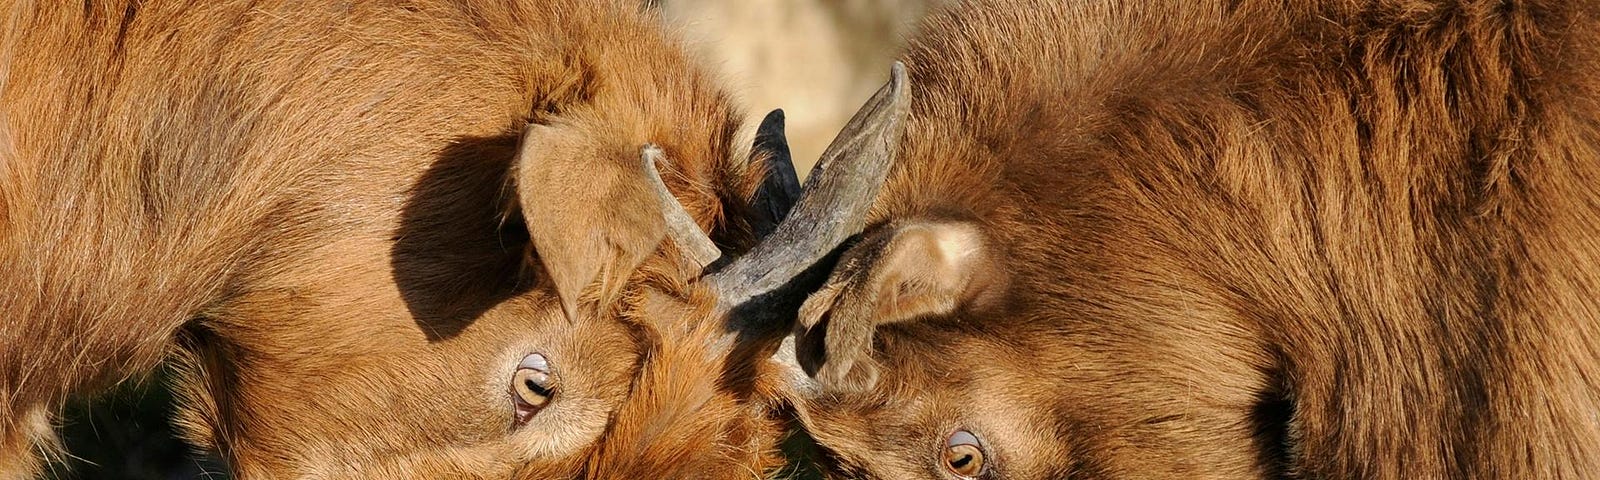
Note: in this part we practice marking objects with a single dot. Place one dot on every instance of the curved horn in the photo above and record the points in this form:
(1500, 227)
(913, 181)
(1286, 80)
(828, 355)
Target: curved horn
(781, 187)
(832, 207)
(691, 240)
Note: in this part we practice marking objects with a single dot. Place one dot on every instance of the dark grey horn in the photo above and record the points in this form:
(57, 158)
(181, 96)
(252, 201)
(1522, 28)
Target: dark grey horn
(696, 246)
(832, 207)
(781, 187)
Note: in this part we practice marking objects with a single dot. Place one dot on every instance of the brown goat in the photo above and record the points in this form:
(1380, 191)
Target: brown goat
(1228, 239)
(329, 215)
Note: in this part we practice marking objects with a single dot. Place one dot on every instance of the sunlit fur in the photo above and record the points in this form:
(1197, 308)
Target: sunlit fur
(1251, 239)
(310, 207)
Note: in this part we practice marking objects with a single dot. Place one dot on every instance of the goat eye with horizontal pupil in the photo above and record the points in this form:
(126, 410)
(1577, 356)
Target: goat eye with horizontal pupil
(532, 386)
(962, 455)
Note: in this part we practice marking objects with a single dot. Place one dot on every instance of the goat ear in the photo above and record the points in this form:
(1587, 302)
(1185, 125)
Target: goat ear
(901, 273)
(590, 213)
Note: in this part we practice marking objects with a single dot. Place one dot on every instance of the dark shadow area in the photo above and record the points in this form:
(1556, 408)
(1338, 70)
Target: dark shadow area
(763, 321)
(1270, 420)
(127, 434)
(457, 252)
(804, 456)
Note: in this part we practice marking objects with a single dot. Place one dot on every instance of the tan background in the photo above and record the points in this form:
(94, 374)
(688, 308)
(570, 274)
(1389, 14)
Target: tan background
(816, 59)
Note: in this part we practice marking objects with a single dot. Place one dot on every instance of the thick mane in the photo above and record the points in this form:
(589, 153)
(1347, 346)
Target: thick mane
(1382, 208)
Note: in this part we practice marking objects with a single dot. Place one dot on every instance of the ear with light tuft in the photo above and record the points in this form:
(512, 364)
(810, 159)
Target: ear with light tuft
(591, 216)
(899, 273)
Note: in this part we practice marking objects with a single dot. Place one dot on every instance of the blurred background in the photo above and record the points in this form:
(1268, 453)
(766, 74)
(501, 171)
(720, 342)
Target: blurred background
(818, 60)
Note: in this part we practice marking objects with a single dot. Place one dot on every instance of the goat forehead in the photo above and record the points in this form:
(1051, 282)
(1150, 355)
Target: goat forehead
(899, 428)
(681, 416)
(678, 377)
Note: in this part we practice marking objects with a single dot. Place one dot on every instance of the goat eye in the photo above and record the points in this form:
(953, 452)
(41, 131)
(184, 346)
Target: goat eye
(963, 455)
(532, 387)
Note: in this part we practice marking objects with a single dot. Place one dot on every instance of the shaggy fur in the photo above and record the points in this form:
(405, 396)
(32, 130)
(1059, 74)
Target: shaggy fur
(313, 208)
(1244, 239)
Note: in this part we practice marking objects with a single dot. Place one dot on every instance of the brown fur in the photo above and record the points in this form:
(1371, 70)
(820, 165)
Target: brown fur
(1252, 239)
(304, 205)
